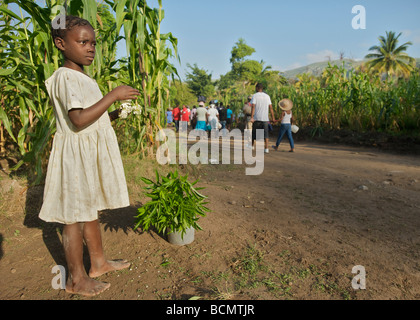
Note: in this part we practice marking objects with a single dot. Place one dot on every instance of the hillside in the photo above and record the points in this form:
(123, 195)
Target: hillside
(317, 68)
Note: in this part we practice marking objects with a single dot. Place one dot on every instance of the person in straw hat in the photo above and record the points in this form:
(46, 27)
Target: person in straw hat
(286, 124)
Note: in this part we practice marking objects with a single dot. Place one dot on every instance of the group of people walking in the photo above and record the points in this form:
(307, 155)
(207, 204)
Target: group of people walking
(212, 117)
(257, 112)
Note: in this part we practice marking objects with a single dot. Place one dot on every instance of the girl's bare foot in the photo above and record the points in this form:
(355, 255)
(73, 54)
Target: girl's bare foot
(109, 265)
(86, 287)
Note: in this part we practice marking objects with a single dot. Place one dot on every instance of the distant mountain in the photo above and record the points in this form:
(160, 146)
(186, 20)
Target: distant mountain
(317, 68)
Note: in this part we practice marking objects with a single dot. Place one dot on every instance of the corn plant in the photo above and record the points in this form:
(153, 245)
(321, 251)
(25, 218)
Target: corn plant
(354, 99)
(148, 67)
(29, 58)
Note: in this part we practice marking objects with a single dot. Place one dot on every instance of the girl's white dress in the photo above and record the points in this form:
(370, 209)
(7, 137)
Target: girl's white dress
(85, 172)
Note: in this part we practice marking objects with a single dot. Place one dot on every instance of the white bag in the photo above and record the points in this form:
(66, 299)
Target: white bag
(295, 128)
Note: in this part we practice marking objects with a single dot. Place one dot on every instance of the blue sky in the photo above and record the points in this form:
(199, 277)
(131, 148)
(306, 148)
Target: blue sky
(285, 34)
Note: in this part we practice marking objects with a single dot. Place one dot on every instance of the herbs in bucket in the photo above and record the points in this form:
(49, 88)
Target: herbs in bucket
(175, 207)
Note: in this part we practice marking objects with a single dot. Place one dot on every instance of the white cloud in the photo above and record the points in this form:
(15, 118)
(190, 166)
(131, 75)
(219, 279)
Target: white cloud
(320, 56)
(411, 35)
(294, 66)
(309, 58)
(290, 67)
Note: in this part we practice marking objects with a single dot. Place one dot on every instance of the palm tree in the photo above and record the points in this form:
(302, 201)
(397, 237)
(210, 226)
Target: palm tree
(389, 58)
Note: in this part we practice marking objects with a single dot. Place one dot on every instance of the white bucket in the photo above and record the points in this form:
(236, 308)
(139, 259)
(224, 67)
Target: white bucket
(177, 238)
(295, 128)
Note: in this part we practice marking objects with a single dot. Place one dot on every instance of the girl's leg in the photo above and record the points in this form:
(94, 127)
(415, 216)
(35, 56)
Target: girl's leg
(280, 137)
(99, 265)
(290, 137)
(78, 281)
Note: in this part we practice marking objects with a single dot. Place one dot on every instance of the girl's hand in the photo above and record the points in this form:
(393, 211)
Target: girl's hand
(81, 118)
(125, 93)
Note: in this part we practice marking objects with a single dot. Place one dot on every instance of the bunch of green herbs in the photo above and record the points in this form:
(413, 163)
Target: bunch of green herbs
(175, 205)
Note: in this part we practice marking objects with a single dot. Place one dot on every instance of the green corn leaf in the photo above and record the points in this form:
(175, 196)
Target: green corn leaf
(10, 13)
(7, 72)
(6, 123)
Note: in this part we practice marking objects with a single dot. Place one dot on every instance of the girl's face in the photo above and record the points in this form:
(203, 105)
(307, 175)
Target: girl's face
(78, 47)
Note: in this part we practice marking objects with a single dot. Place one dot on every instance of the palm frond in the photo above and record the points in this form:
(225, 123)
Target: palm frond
(390, 58)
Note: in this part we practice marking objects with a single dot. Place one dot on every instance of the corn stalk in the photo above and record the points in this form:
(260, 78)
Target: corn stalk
(354, 99)
(29, 57)
(148, 67)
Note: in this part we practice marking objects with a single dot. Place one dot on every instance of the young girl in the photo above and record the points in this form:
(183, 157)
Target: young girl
(286, 123)
(85, 172)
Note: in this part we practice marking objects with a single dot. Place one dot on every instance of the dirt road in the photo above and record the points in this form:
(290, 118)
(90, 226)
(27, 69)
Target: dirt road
(294, 232)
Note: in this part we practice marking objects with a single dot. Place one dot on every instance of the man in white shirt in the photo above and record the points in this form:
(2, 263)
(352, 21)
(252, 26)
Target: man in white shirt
(201, 117)
(261, 106)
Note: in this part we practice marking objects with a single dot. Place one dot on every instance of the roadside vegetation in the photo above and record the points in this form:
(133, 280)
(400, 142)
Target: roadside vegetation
(381, 95)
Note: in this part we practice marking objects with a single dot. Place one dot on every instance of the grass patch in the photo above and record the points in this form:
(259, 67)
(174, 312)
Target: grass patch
(253, 273)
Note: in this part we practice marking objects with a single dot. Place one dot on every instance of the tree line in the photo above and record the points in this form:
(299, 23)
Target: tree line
(382, 94)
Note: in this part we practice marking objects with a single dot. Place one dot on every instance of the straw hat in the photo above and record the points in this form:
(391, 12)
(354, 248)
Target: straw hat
(286, 104)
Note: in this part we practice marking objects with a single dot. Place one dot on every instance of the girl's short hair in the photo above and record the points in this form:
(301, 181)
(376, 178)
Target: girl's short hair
(71, 22)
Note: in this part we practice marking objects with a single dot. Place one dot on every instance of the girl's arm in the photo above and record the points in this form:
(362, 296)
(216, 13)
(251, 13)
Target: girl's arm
(272, 113)
(82, 118)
